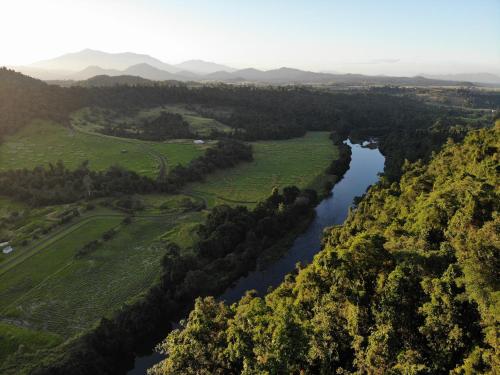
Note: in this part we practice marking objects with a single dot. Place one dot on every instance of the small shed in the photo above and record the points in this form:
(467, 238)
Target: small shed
(198, 141)
(7, 250)
(3, 244)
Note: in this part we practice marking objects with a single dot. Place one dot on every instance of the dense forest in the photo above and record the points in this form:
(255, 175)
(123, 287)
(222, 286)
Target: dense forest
(23, 99)
(408, 285)
(166, 126)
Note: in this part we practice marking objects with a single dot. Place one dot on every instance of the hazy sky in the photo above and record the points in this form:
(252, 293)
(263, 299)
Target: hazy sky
(374, 37)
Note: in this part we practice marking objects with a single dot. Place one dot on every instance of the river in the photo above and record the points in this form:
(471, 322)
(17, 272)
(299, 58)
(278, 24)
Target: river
(365, 166)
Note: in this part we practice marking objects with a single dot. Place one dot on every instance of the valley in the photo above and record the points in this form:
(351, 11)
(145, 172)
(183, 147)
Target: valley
(250, 187)
(76, 263)
(124, 205)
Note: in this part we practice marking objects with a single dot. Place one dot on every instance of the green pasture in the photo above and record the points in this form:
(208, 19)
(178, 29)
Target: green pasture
(298, 161)
(55, 291)
(43, 142)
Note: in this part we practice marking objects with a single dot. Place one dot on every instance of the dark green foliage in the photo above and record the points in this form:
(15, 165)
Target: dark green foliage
(226, 154)
(23, 99)
(408, 285)
(166, 126)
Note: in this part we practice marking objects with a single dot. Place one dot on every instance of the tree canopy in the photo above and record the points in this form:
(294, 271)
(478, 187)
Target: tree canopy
(408, 285)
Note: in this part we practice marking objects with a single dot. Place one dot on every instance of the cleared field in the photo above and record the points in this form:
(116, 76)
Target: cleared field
(43, 142)
(49, 259)
(299, 161)
(57, 292)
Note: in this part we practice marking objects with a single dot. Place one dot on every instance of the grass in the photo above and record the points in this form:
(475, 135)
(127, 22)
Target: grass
(299, 161)
(43, 142)
(66, 295)
(93, 286)
(49, 259)
(204, 126)
(17, 339)
(197, 123)
(48, 295)
(54, 291)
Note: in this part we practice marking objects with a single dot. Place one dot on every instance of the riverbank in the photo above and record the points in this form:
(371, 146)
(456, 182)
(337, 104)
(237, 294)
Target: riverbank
(363, 170)
(231, 240)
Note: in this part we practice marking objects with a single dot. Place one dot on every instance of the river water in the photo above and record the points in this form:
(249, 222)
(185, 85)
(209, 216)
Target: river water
(365, 166)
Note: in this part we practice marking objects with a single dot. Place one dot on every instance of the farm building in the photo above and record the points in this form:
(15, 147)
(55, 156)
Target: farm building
(7, 249)
(198, 141)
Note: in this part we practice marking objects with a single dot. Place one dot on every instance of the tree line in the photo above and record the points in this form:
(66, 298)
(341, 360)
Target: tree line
(166, 126)
(56, 184)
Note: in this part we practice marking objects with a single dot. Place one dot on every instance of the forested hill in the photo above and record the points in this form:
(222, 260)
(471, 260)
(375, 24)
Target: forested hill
(409, 285)
(23, 99)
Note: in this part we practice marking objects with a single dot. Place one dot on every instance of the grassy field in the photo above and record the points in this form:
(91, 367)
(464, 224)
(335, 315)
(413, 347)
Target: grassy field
(299, 161)
(51, 293)
(43, 142)
(199, 124)
(48, 294)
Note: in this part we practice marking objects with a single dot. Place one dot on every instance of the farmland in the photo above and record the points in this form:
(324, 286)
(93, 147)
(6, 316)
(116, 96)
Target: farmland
(52, 292)
(298, 161)
(44, 142)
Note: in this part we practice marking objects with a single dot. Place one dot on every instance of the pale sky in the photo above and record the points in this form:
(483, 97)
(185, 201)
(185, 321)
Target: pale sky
(402, 37)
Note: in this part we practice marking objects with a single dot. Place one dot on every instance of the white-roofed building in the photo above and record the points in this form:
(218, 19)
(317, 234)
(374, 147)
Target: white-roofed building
(7, 249)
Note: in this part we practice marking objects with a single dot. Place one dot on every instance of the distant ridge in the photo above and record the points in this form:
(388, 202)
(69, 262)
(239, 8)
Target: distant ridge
(471, 77)
(203, 67)
(92, 71)
(89, 63)
(80, 60)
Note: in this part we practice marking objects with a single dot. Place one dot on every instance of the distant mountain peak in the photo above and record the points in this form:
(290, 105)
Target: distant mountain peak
(77, 61)
(203, 67)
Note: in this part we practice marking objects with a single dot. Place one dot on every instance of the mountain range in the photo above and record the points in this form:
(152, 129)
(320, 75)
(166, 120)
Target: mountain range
(90, 63)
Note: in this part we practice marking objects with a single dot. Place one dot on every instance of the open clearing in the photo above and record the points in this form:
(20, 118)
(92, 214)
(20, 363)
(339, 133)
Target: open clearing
(298, 161)
(51, 294)
(43, 142)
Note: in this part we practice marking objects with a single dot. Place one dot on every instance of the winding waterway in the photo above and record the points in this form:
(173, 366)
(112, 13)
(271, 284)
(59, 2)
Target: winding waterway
(365, 166)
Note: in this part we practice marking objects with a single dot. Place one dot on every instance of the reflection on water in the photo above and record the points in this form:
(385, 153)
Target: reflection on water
(363, 171)
(366, 163)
